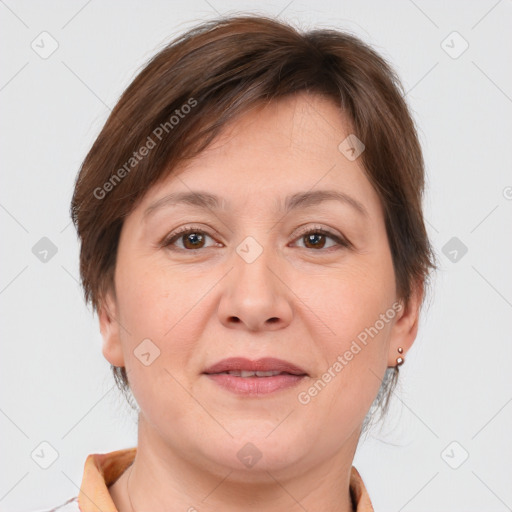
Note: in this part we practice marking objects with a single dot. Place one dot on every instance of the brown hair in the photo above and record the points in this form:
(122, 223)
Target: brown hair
(192, 88)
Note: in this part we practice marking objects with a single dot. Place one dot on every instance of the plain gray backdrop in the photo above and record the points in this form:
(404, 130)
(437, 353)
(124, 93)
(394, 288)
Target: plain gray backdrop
(446, 444)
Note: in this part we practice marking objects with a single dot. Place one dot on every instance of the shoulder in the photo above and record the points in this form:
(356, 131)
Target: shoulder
(70, 505)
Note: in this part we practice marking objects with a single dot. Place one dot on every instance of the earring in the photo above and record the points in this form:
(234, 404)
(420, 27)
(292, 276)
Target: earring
(400, 360)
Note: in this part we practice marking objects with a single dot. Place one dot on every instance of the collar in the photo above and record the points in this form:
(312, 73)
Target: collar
(103, 469)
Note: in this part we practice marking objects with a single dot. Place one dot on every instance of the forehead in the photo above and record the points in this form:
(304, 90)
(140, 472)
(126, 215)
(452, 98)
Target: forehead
(294, 127)
(284, 148)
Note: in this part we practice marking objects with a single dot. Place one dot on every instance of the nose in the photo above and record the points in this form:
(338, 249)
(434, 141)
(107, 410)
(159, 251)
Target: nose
(255, 296)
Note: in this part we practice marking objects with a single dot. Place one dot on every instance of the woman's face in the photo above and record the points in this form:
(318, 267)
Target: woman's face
(248, 282)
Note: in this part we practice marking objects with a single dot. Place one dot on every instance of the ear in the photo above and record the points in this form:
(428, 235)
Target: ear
(109, 327)
(405, 328)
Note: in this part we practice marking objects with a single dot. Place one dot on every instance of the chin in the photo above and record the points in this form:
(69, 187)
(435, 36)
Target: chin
(260, 449)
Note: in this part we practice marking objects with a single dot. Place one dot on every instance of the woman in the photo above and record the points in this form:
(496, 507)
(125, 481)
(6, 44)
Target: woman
(253, 242)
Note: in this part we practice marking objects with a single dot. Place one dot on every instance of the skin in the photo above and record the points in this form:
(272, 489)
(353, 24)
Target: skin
(199, 306)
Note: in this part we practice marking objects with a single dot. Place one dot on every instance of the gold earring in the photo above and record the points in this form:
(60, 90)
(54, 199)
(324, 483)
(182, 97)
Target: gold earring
(400, 360)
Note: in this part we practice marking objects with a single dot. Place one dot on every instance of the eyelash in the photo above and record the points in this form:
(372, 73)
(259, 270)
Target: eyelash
(170, 239)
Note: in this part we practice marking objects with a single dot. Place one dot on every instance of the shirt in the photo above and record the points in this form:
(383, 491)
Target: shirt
(102, 469)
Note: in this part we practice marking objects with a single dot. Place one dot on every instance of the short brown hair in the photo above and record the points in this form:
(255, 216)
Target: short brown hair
(218, 70)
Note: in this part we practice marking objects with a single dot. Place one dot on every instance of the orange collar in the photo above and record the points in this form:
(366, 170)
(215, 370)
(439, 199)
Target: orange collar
(100, 471)
(103, 469)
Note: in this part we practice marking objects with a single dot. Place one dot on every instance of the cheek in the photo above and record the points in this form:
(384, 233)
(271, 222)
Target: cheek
(161, 312)
(150, 296)
(353, 339)
(349, 300)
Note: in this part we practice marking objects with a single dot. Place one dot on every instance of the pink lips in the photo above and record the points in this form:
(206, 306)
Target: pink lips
(289, 375)
(265, 364)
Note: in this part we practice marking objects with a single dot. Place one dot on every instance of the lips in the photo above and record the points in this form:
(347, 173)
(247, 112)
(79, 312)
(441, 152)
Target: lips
(256, 379)
(265, 367)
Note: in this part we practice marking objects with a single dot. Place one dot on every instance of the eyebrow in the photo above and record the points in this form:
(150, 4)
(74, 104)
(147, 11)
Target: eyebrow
(207, 201)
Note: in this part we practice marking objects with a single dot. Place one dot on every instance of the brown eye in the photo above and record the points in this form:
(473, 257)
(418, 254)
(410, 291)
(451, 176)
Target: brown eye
(317, 238)
(193, 240)
(190, 239)
(314, 240)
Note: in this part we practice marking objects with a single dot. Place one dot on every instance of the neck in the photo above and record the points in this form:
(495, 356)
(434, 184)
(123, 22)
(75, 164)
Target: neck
(160, 480)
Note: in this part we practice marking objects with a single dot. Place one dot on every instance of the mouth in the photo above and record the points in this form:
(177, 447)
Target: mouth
(255, 378)
(249, 373)
(265, 367)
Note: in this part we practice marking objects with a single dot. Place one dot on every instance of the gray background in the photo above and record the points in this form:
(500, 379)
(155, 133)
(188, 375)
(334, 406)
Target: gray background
(456, 382)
